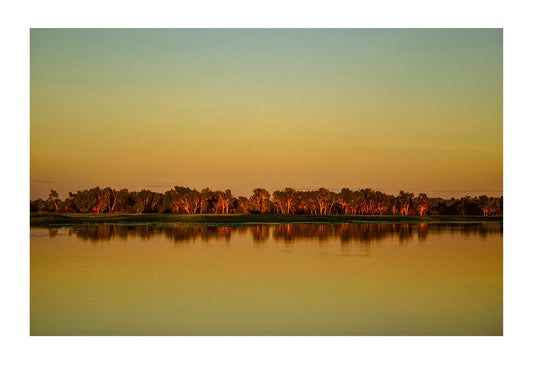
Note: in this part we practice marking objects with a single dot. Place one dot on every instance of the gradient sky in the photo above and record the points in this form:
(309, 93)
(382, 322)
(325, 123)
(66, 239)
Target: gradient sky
(390, 109)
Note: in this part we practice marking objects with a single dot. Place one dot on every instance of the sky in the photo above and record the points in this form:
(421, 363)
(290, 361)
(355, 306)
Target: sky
(419, 110)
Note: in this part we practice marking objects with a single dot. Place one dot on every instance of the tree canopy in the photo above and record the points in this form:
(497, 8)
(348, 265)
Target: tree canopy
(185, 200)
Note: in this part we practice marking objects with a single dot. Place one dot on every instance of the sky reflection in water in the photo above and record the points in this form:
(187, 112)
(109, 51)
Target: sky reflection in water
(284, 279)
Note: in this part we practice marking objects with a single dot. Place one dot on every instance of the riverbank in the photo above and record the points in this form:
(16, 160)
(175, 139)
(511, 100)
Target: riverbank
(61, 219)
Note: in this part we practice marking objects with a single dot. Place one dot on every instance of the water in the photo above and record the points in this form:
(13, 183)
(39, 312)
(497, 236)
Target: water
(299, 279)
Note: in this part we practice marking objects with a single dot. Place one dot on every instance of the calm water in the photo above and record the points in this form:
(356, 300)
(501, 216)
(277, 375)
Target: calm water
(300, 279)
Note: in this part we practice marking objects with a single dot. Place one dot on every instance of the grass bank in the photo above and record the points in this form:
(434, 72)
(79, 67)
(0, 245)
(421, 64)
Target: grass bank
(59, 219)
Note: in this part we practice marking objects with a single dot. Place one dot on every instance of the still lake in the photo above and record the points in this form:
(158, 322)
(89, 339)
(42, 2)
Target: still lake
(280, 279)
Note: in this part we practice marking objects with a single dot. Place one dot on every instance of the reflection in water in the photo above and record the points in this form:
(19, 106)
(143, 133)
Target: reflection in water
(284, 279)
(288, 233)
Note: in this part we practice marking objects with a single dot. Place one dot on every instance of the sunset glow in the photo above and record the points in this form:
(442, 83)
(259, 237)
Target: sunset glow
(417, 110)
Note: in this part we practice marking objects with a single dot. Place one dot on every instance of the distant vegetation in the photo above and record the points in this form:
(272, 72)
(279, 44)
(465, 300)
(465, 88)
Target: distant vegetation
(183, 200)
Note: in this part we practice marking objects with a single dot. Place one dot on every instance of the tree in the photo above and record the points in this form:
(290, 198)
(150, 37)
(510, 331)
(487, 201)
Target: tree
(206, 200)
(345, 199)
(110, 198)
(143, 200)
(53, 199)
(260, 200)
(122, 201)
(288, 201)
(157, 200)
(366, 201)
(489, 206)
(422, 204)
(325, 200)
(224, 200)
(84, 200)
(285, 200)
(404, 202)
(102, 200)
(190, 202)
(308, 202)
(242, 205)
(382, 202)
(176, 199)
(38, 205)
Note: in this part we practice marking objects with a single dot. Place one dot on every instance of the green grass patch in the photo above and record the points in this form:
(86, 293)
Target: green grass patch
(59, 219)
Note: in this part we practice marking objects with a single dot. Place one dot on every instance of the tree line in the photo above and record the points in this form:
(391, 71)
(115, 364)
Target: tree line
(183, 200)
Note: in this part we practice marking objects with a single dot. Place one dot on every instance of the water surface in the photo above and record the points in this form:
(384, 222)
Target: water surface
(291, 279)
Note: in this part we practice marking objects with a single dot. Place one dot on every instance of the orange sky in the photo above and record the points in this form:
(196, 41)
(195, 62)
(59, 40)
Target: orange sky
(413, 109)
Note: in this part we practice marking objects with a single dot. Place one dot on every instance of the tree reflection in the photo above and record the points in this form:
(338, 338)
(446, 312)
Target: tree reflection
(288, 233)
(260, 233)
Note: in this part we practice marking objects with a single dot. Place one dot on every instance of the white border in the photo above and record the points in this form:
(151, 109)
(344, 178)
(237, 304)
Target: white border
(412, 356)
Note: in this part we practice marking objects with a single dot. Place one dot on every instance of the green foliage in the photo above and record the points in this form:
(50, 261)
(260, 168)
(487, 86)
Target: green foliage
(184, 200)
(58, 219)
